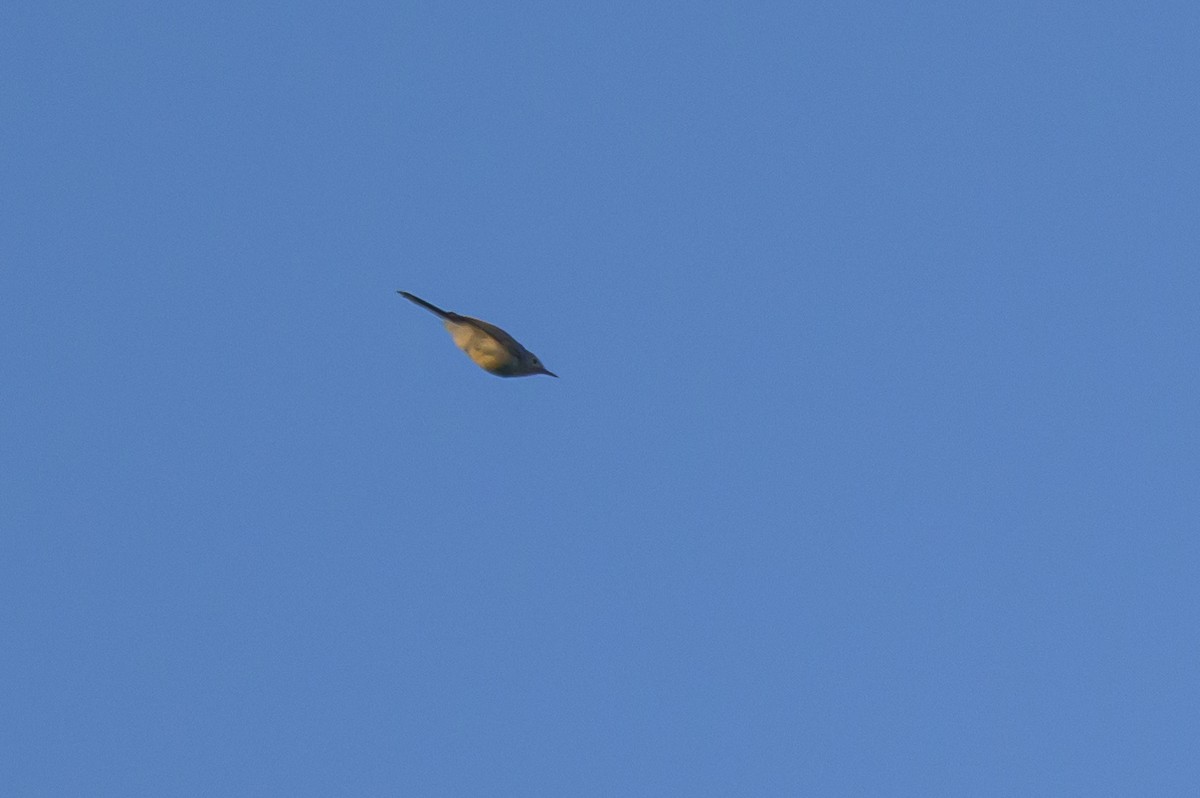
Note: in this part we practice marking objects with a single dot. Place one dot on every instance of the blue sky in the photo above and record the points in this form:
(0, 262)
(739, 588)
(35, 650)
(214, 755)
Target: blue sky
(872, 469)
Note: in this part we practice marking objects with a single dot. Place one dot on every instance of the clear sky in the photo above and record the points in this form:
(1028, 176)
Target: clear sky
(873, 465)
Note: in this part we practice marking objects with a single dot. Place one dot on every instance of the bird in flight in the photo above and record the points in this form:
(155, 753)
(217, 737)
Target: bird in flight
(491, 348)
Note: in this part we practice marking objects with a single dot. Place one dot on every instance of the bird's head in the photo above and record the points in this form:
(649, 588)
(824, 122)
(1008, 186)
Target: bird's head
(534, 366)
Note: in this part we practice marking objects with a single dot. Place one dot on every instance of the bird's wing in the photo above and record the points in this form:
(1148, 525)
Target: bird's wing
(504, 338)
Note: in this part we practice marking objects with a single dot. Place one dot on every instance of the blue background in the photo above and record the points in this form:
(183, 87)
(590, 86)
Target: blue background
(873, 468)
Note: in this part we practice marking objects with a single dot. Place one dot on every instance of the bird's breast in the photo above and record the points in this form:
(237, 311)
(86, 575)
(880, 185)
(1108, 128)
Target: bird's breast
(488, 353)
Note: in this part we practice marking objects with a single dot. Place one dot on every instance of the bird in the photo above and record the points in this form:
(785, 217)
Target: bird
(492, 349)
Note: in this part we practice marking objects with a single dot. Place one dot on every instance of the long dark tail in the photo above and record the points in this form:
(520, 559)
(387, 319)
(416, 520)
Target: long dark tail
(431, 308)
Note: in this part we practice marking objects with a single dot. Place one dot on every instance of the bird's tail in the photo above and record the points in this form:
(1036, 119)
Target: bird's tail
(430, 307)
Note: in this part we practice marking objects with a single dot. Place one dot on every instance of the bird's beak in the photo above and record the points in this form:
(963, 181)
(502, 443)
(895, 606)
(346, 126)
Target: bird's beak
(548, 371)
